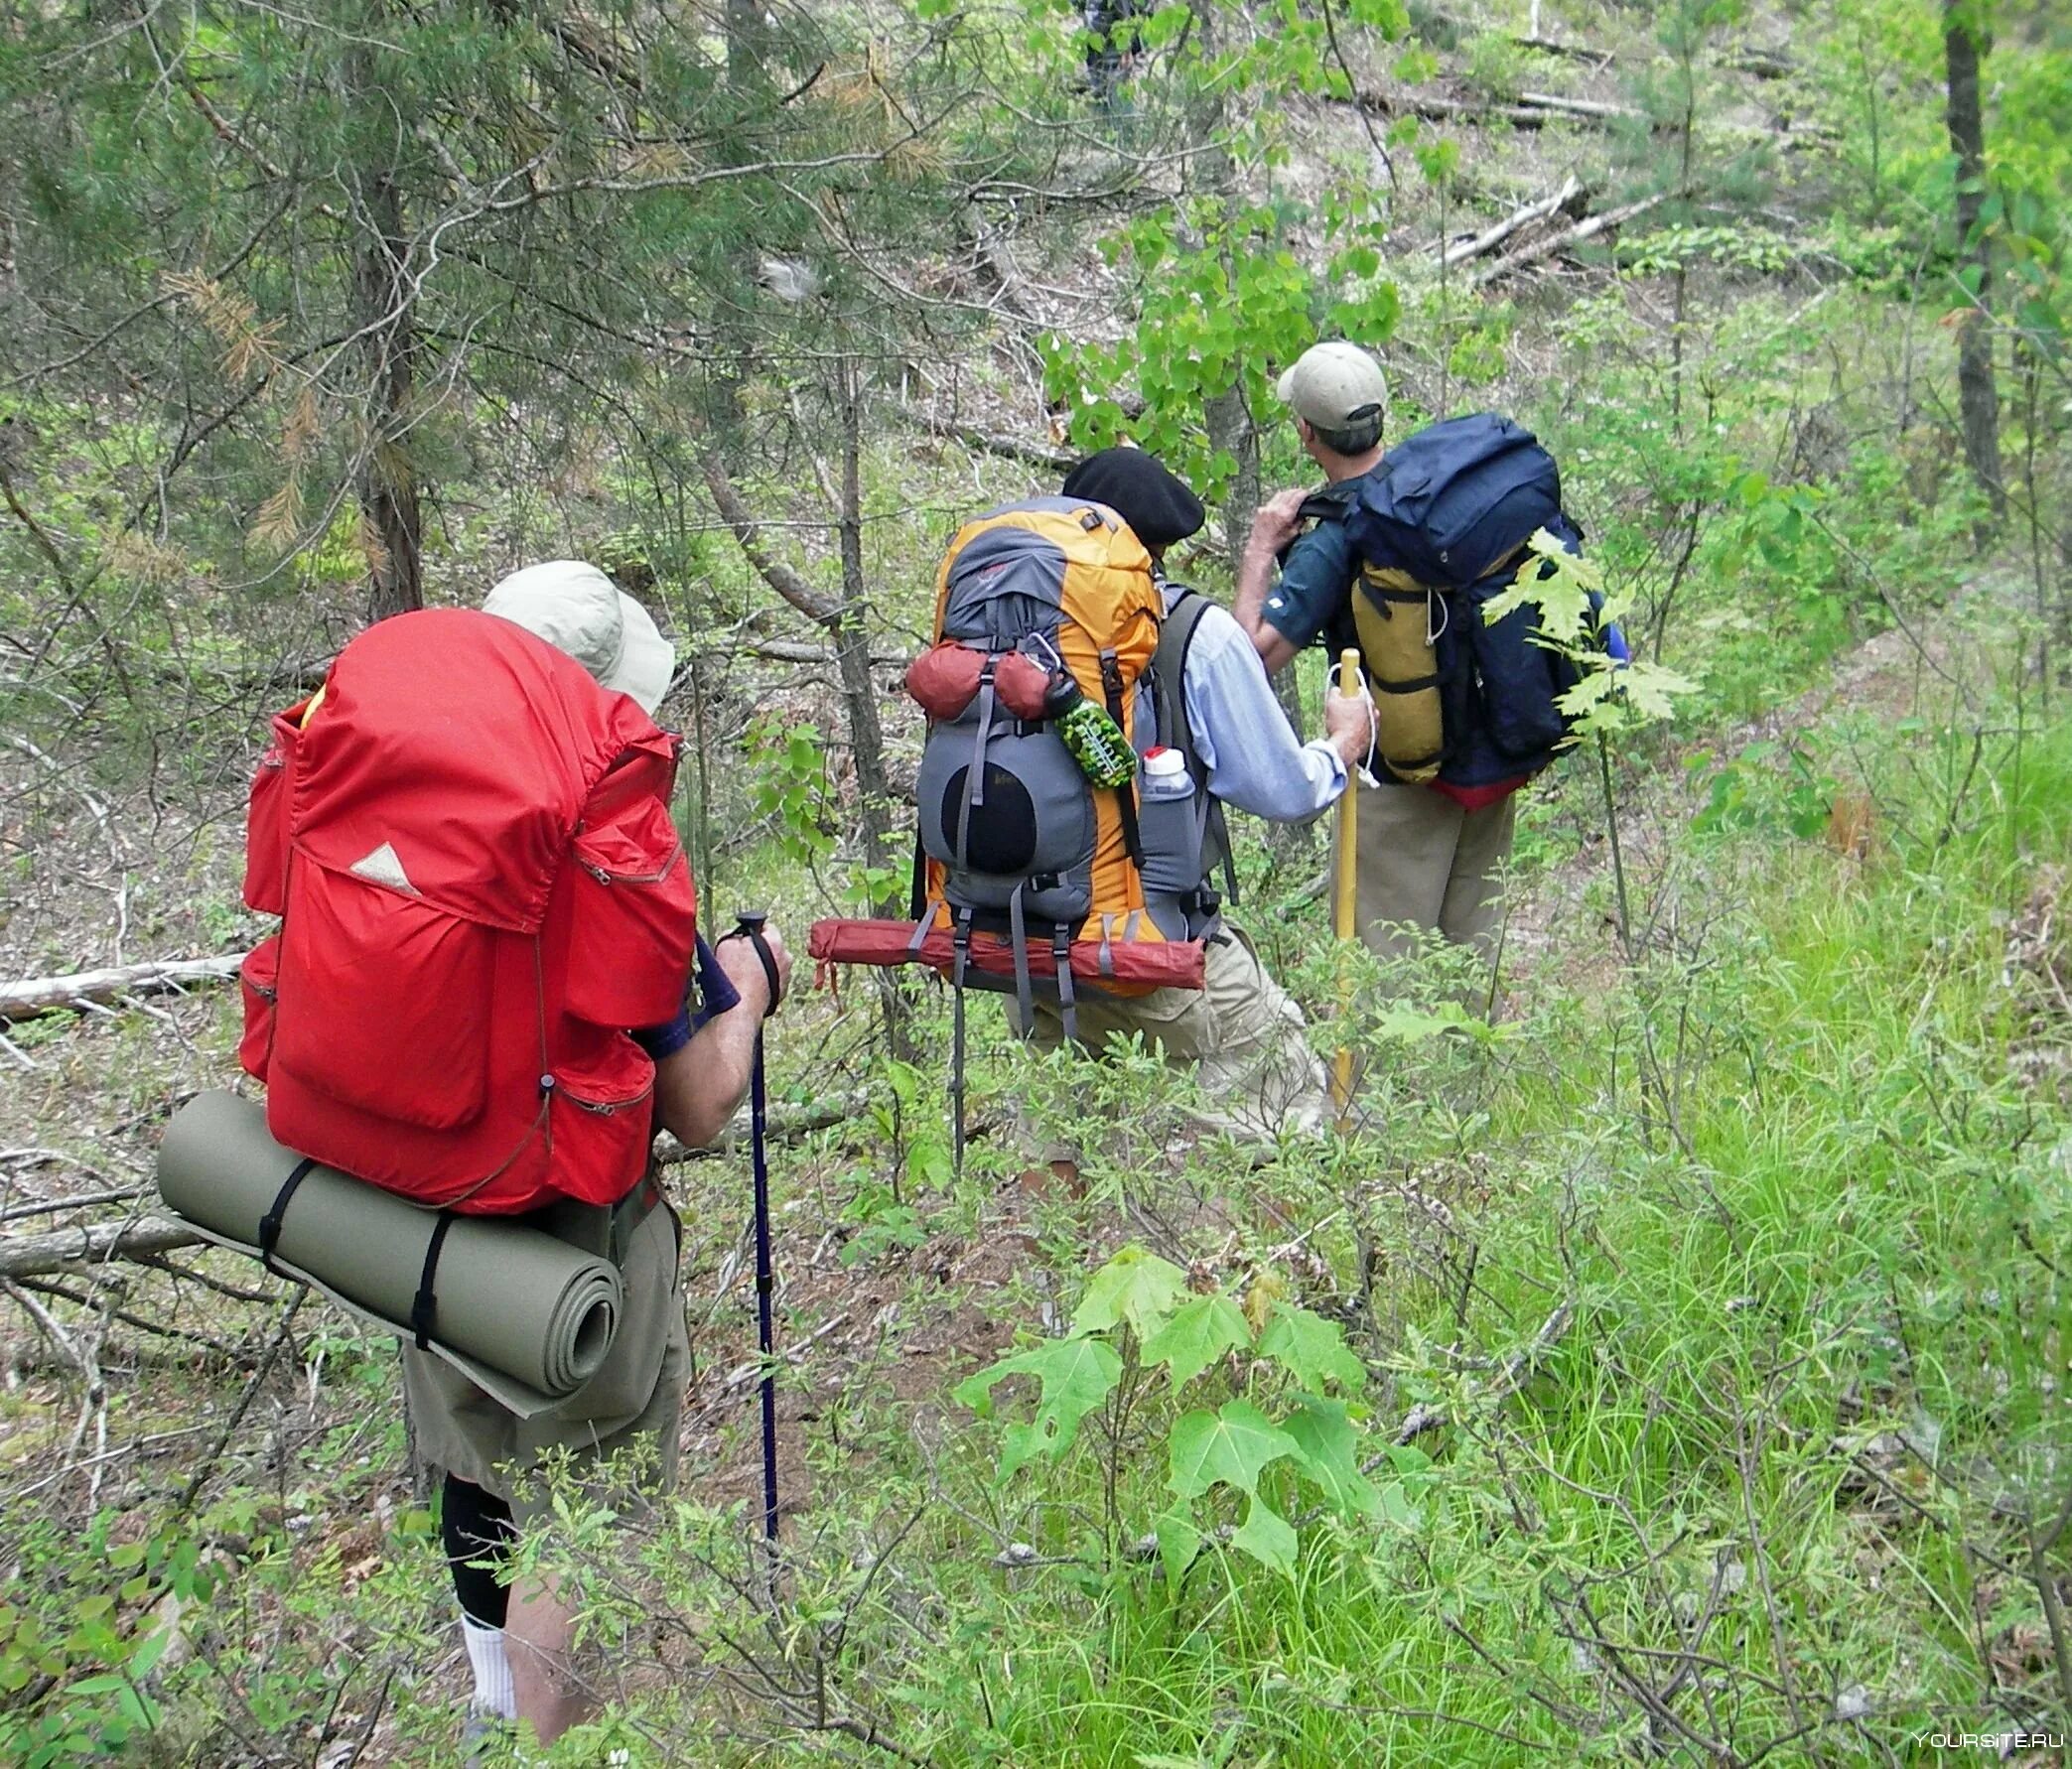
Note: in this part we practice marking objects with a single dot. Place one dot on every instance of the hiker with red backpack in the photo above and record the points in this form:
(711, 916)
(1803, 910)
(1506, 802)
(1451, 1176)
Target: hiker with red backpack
(488, 995)
(1396, 556)
(1087, 721)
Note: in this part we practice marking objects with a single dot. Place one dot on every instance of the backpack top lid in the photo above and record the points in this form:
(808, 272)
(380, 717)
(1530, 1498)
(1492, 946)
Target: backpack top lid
(1032, 566)
(1454, 500)
(453, 760)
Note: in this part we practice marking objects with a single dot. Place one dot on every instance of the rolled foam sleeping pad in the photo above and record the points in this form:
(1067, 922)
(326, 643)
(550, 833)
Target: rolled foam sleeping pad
(528, 1317)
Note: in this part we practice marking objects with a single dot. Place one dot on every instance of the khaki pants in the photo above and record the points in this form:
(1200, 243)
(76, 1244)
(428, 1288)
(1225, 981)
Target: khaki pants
(1240, 1031)
(636, 1392)
(1425, 861)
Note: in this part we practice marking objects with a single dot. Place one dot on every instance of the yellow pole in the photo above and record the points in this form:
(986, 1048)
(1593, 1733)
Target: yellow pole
(1342, 910)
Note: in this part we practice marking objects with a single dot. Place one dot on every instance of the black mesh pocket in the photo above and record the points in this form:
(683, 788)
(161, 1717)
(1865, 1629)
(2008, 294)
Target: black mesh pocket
(1002, 838)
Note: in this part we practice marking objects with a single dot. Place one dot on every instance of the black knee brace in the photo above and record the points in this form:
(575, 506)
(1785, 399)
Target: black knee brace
(477, 1526)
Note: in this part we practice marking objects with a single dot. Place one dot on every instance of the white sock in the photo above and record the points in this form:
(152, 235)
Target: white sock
(492, 1671)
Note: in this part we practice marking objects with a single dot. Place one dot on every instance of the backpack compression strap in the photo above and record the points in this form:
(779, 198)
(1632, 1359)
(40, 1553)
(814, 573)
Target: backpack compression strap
(1169, 670)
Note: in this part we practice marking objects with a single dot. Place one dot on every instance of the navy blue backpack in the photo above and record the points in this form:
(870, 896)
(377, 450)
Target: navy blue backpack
(1441, 527)
(1454, 502)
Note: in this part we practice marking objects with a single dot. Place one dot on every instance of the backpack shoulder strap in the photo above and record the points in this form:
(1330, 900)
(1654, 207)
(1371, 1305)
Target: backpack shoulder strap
(1168, 665)
(1169, 670)
(1333, 503)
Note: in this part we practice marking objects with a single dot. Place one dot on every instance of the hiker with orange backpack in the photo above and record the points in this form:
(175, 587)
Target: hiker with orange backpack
(1229, 743)
(488, 995)
(1087, 719)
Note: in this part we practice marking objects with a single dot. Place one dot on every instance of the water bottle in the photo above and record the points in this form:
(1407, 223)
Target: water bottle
(1169, 823)
(1091, 734)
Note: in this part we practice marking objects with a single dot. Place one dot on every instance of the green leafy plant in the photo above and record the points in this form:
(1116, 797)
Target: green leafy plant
(1267, 1428)
(789, 771)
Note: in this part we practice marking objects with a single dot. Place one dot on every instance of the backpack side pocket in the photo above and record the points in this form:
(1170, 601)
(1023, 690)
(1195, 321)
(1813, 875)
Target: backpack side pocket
(266, 827)
(257, 977)
(633, 919)
(1518, 681)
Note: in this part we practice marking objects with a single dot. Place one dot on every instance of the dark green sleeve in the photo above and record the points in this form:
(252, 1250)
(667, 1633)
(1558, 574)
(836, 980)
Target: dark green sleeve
(1315, 582)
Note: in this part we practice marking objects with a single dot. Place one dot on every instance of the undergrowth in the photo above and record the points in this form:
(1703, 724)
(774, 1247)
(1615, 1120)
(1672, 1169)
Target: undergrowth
(1698, 1342)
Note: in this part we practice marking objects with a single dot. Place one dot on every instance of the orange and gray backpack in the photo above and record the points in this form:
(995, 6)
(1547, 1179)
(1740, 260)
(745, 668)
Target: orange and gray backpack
(1028, 877)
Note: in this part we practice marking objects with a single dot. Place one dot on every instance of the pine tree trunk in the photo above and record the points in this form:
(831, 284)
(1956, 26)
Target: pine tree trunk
(384, 298)
(1977, 396)
(748, 46)
(852, 635)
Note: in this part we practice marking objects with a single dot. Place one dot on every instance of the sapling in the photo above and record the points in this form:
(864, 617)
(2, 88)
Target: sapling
(1614, 695)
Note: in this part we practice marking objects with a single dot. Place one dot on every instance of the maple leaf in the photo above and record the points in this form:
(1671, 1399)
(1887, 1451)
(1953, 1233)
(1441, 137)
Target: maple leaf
(1077, 1376)
(1310, 1349)
(1200, 1330)
(1134, 1287)
(1229, 1446)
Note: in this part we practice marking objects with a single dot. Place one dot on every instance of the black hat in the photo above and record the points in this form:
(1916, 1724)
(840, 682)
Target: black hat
(1158, 506)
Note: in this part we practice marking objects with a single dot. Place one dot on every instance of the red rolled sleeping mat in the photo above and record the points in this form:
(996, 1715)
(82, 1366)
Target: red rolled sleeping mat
(1146, 963)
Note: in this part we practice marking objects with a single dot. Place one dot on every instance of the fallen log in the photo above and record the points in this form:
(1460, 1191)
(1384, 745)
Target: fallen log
(1594, 109)
(1443, 110)
(31, 1256)
(1460, 30)
(1532, 110)
(1492, 238)
(1047, 456)
(1573, 236)
(37, 995)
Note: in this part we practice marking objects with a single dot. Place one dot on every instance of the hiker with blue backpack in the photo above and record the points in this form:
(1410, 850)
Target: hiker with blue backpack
(1397, 556)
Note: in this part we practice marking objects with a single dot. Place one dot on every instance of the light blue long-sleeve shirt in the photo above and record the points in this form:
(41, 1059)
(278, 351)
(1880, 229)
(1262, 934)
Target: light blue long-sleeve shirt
(1242, 735)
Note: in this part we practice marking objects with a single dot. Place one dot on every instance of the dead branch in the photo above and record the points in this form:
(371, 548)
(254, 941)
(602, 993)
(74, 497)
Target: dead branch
(1492, 238)
(1564, 242)
(37, 995)
(786, 1125)
(798, 651)
(32, 1256)
(994, 442)
(817, 606)
(1518, 1369)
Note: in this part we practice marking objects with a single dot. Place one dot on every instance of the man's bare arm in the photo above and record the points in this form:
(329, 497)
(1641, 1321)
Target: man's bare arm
(697, 1089)
(1273, 527)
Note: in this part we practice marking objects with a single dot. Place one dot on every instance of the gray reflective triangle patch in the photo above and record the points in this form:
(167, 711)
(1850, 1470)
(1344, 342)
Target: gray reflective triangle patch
(383, 867)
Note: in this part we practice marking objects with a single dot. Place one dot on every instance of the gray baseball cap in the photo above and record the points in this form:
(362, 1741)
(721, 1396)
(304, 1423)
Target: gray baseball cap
(1334, 386)
(576, 608)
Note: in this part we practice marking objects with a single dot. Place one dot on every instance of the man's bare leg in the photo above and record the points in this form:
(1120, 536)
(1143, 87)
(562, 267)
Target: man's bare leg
(537, 1636)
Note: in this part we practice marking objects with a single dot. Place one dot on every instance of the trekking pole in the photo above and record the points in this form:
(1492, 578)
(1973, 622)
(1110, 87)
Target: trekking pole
(749, 928)
(1343, 913)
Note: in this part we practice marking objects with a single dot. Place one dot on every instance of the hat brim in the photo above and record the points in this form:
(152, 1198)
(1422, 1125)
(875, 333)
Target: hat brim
(1284, 387)
(646, 661)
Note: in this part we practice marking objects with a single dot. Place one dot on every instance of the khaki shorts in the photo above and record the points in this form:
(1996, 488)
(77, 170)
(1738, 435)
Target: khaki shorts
(1241, 1033)
(638, 1392)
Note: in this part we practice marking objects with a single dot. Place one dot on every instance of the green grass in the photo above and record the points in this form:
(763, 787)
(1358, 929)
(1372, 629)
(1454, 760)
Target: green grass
(1793, 1244)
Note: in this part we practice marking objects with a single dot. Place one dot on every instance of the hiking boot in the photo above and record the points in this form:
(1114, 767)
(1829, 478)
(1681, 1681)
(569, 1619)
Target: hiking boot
(486, 1739)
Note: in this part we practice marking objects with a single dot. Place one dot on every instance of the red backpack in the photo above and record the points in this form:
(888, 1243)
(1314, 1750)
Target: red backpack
(481, 890)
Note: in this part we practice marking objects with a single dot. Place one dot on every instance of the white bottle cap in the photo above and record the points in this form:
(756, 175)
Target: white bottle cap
(1162, 762)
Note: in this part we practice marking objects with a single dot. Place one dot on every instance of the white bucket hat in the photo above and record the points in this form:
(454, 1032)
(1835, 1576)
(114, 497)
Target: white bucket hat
(576, 607)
